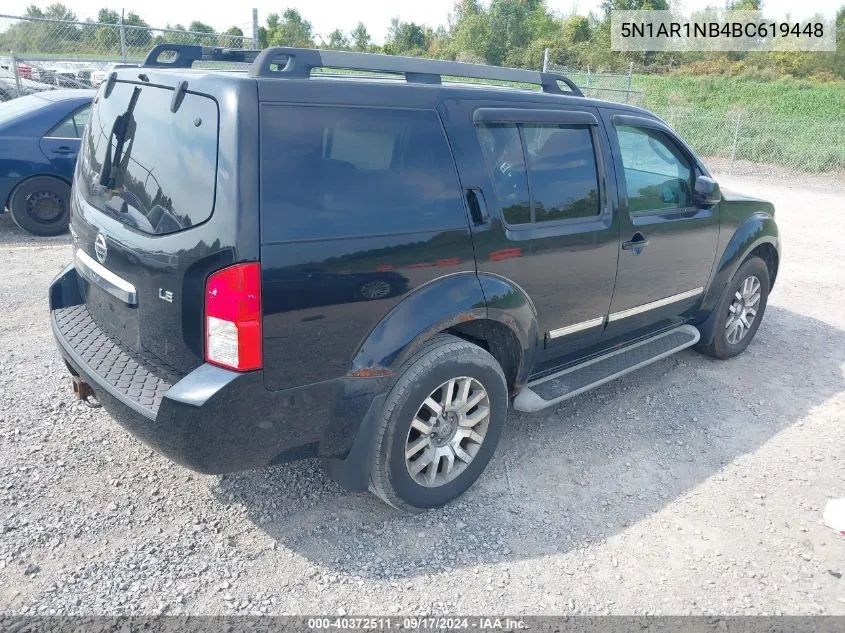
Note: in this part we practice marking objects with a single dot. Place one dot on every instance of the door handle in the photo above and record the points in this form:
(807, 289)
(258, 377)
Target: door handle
(63, 150)
(477, 207)
(636, 243)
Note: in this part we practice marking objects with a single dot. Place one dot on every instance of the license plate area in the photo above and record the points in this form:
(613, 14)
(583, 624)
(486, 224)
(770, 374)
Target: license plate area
(112, 315)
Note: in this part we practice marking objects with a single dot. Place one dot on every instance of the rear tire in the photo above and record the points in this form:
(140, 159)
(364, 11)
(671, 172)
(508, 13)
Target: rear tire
(41, 206)
(746, 295)
(468, 386)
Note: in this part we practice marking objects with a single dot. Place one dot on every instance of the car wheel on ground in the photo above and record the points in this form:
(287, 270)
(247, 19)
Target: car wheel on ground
(41, 206)
(372, 290)
(740, 310)
(440, 425)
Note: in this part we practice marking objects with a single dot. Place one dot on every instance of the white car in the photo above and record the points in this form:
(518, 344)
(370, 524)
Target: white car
(99, 75)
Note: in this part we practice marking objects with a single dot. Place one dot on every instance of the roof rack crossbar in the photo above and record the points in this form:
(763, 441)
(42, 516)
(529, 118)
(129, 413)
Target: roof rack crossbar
(184, 55)
(284, 62)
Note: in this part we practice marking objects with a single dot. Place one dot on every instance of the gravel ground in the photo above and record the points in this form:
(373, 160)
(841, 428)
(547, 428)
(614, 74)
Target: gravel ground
(692, 486)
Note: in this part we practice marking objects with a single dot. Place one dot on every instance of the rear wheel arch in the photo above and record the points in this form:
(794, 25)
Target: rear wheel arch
(459, 304)
(23, 181)
(20, 183)
(500, 341)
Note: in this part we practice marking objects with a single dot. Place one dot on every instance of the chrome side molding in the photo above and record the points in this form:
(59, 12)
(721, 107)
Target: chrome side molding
(653, 305)
(577, 327)
(616, 316)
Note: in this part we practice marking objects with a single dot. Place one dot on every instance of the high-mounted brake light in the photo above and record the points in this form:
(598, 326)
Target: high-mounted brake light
(233, 317)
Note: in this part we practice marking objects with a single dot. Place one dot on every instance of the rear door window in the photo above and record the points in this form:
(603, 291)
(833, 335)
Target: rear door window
(346, 172)
(161, 178)
(72, 126)
(505, 157)
(542, 172)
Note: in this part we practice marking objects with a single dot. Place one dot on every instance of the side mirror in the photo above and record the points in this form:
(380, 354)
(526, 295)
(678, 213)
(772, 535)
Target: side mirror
(706, 193)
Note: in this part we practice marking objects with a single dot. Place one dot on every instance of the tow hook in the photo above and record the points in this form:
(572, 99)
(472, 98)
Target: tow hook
(82, 390)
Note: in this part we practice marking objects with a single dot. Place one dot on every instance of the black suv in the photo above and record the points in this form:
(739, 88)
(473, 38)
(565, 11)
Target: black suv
(369, 267)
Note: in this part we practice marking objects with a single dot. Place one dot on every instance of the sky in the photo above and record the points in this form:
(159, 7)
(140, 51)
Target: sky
(326, 15)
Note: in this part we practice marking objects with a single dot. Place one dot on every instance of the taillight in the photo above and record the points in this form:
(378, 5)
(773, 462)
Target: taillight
(233, 317)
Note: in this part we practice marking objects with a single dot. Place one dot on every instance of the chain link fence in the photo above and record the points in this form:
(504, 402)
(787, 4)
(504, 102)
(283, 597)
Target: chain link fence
(42, 54)
(735, 142)
(755, 145)
(606, 86)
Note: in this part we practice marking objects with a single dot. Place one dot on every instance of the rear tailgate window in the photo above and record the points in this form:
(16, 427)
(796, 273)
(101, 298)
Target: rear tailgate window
(152, 169)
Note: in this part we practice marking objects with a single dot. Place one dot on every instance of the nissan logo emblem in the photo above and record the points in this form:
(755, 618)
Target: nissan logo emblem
(100, 248)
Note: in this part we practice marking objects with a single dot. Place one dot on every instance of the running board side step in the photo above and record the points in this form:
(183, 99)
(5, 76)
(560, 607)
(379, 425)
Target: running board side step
(570, 382)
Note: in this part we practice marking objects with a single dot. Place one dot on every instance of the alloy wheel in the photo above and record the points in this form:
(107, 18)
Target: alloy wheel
(447, 431)
(375, 290)
(743, 310)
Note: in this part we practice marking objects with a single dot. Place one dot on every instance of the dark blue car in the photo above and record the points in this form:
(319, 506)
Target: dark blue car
(39, 142)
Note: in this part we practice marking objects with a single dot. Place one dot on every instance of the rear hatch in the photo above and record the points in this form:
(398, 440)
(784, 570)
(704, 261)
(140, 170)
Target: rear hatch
(153, 212)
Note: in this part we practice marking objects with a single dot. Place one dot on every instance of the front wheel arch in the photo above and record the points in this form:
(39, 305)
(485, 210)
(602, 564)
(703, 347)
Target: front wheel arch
(764, 250)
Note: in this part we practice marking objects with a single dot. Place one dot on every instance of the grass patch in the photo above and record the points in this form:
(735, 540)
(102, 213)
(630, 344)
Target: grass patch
(797, 124)
(781, 98)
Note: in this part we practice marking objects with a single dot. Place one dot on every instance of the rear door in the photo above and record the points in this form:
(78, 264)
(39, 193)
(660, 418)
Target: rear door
(61, 144)
(667, 245)
(543, 176)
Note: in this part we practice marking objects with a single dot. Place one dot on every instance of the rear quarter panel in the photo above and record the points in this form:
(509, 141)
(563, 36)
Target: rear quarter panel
(317, 314)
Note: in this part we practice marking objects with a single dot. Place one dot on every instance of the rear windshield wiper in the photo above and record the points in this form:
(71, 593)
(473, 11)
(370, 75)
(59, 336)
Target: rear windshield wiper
(119, 132)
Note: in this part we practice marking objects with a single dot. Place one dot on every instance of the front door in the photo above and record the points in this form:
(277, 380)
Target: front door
(667, 245)
(552, 229)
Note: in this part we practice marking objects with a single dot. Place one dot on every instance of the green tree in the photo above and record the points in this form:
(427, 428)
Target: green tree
(137, 31)
(577, 29)
(263, 37)
(634, 5)
(744, 5)
(338, 40)
(200, 27)
(291, 30)
(470, 31)
(509, 29)
(361, 37)
(234, 38)
(108, 16)
(58, 11)
(406, 38)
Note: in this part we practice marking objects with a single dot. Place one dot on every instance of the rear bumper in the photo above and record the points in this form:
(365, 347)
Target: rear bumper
(212, 420)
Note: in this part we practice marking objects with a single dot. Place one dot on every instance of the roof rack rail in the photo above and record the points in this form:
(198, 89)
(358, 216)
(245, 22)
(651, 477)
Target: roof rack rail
(284, 62)
(184, 55)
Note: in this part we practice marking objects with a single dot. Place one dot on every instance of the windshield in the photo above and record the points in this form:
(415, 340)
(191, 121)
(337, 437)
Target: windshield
(151, 168)
(11, 110)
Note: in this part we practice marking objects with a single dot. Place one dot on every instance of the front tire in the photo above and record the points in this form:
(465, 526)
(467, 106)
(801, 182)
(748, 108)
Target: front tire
(740, 310)
(440, 425)
(41, 206)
